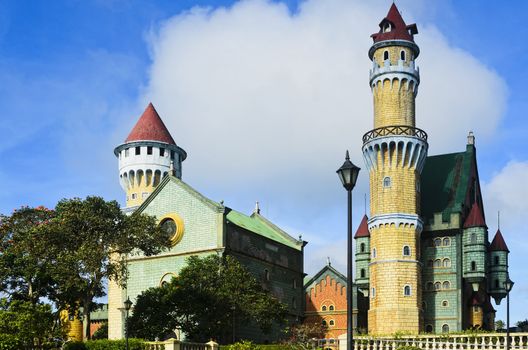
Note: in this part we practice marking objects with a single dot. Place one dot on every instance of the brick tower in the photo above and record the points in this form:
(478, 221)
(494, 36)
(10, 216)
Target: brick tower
(394, 152)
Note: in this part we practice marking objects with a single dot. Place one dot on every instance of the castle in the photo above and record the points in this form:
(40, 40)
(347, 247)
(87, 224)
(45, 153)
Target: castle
(423, 258)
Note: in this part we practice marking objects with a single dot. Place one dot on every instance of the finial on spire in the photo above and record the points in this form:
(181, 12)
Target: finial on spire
(328, 261)
(498, 219)
(257, 208)
(471, 138)
(347, 156)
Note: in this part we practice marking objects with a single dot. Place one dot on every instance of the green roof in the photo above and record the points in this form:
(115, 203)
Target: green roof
(445, 182)
(259, 225)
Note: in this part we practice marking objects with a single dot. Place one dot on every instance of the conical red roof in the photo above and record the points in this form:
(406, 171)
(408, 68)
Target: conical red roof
(498, 243)
(363, 230)
(150, 127)
(475, 217)
(398, 31)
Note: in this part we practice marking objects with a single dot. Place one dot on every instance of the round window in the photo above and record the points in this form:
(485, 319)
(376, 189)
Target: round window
(172, 226)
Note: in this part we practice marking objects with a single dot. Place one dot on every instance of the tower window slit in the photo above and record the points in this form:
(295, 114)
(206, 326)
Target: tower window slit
(402, 55)
(162, 152)
(138, 151)
(149, 149)
(473, 266)
(496, 260)
(362, 273)
(385, 55)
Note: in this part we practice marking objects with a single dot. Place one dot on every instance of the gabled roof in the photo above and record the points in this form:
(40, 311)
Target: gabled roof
(328, 269)
(363, 230)
(475, 217)
(498, 243)
(150, 127)
(399, 30)
(260, 225)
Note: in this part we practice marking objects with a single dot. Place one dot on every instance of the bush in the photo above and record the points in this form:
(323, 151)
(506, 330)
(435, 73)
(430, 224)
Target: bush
(247, 345)
(75, 345)
(101, 332)
(105, 344)
(408, 347)
(9, 342)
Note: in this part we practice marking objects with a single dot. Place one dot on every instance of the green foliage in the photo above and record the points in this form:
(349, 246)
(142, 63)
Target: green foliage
(101, 332)
(499, 324)
(10, 342)
(301, 335)
(203, 300)
(105, 344)
(408, 347)
(523, 325)
(247, 345)
(75, 345)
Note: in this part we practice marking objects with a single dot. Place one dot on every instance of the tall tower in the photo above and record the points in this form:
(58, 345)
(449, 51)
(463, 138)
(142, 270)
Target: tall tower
(146, 157)
(394, 152)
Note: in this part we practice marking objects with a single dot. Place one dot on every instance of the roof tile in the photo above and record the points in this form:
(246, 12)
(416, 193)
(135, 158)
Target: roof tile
(150, 127)
(363, 230)
(475, 217)
(498, 243)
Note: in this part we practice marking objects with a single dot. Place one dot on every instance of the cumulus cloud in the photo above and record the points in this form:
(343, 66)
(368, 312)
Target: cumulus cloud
(265, 101)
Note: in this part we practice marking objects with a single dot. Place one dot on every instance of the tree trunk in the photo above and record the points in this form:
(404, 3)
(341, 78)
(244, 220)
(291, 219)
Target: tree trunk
(87, 305)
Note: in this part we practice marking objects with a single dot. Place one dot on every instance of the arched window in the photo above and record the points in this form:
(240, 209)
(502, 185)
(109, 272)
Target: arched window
(473, 266)
(429, 328)
(446, 262)
(447, 241)
(437, 242)
(497, 284)
(387, 28)
(323, 308)
(331, 322)
(407, 291)
(445, 328)
(331, 308)
(386, 181)
(438, 263)
(362, 247)
(496, 260)
(406, 251)
(362, 273)
(402, 55)
(437, 285)
(430, 286)
(446, 285)
(473, 238)
(373, 293)
(445, 303)
(324, 322)
(266, 275)
(373, 252)
(385, 55)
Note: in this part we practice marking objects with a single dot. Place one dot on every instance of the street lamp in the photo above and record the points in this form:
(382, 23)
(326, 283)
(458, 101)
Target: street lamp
(508, 285)
(128, 305)
(348, 174)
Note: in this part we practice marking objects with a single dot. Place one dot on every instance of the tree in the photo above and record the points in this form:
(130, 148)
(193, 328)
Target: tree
(523, 325)
(209, 294)
(499, 324)
(91, 240)
(25, 262)
(304, 334)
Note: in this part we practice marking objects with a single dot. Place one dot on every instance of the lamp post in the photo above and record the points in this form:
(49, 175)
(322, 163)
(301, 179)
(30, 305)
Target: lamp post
(508, 285)
(128, 305)
(348, 174)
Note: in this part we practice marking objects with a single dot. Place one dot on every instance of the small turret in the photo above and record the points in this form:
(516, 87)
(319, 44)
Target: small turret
(498, 265)
(362, 238)
(146, 156)
(475, 244)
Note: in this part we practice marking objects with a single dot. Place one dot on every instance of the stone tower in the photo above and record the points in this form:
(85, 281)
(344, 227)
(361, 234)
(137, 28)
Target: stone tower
(394, 153)
(146, 157)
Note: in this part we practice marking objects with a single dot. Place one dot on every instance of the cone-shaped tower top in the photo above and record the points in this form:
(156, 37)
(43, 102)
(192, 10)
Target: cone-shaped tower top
(150, 127)
(498, 243)
(363, 230)
(393, 27)
(475, 217)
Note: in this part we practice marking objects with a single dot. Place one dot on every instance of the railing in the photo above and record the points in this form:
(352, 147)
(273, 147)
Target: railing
(395, 130)
(486, 341)
(174, 344)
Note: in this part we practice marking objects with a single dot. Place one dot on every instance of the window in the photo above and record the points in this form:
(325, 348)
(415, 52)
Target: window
(294, 303)
(430, 286)
(331, 308)
(162, 152)
(324, 322)
(429, 328)
(473, 266)
(473, 238)
(406, 251)
(331, 322)
(323, 308)
(447, 241)
(497, 284)
(126, 152)
(362, 247)
(386, 55)
(445, 303)
(172, 154)
(362, 273)
(149, 149)
(438, 263)
(445, 328)
(294, 283)
(387, 182)
(134, 195)
(266, 275)
(387, 28)
(138, 151)
(446, 285)
(374, 252)
(407, 291)
(446, 263)
(496, 260)
(437, 242)
(476, 308)
(402, 55)
(373, 292)
(437, 285)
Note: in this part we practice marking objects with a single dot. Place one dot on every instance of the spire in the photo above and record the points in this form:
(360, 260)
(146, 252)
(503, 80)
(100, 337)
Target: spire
(498, 243)
(150, 127)
(328, 262)
(363, 230)
(475, 217)
(393, 27)
(257, 208)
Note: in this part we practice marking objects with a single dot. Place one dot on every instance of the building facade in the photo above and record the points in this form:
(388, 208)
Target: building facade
(423, 258)
(150, 170)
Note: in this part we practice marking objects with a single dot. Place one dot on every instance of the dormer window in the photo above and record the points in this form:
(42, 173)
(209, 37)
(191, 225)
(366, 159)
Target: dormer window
(385, 55)
(402, 55)
(387, 27)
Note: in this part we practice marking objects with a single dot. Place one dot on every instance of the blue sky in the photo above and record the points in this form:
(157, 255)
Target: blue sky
(268, 94)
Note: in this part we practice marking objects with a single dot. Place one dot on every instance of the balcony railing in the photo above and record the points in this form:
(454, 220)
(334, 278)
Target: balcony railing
(395, 130)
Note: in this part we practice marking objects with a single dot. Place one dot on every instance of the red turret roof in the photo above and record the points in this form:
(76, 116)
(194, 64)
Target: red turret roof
(498, 243)
(398, 29)
(363, 230)
(475, 301)
(150, 127)
(475, 217)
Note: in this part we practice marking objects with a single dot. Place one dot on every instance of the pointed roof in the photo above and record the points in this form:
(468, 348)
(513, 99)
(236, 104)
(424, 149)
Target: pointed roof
(150, 127)
(498, 243)
(363, 230)
(475, 217)
(475, 301)
(398, 29)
